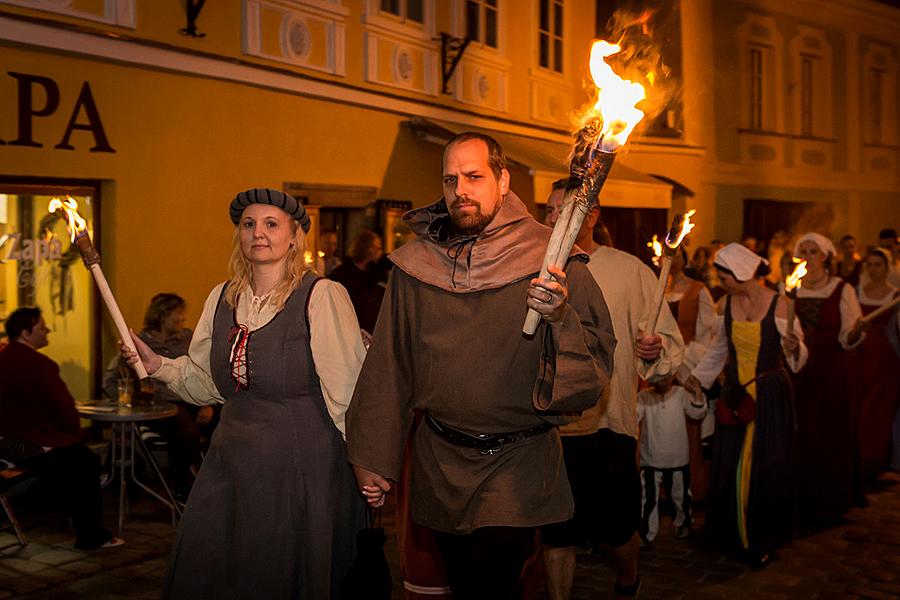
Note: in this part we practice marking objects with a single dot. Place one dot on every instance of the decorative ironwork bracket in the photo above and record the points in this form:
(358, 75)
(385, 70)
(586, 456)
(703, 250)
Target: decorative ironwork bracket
(193, 8)
(452, 49)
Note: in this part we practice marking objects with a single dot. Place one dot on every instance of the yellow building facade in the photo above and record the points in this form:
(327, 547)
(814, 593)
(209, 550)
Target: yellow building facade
(154, 122)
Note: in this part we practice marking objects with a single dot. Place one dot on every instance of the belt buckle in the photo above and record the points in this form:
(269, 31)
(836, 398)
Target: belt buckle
(497, 447)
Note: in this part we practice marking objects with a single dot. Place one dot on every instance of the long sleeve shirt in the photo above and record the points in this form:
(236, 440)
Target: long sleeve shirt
(664, 436)
(35, 405)
(628, 286)
(704, 330)
(335, 340)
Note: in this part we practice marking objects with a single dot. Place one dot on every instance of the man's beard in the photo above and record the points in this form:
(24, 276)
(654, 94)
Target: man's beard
(470, 224)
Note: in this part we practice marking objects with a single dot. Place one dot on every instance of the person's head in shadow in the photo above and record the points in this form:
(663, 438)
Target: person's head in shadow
(165, 315)
(26, 325)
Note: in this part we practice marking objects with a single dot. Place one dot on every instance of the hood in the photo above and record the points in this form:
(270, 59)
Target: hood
(509, 249)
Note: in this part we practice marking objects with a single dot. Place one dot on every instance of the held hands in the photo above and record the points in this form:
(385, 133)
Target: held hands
(648, 347)
(693, 385)
(372, 486)
(548, 297)
(152, 361)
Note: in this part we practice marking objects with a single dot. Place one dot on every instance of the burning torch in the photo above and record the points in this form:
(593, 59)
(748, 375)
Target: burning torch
(681, 226)
(606, 128)
(791, 284)
(78, 233)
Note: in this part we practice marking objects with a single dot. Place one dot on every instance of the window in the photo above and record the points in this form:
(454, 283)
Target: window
(481, 21)
(550, 35)
(806, 95)
(756, 88)
(408, 10)
(40, 267)
(876, 104)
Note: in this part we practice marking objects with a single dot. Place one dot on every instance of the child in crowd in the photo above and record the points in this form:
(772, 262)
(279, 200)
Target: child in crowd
(664, 452)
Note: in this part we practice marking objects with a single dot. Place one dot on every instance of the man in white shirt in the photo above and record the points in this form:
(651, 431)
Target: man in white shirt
(600, 448)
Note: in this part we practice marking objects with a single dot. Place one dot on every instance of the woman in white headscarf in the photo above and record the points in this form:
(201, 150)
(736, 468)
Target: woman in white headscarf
(827, 458)
(751, 495)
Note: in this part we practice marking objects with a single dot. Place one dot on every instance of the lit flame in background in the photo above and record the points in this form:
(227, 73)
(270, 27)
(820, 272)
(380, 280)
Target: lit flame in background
(616, 99)
(686, 228)
(657, 249)
(793, 281)
(74, 223)
(321, 254)
(308, 257)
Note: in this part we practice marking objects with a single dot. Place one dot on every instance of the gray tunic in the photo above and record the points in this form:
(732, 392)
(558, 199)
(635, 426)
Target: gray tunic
(275, 511)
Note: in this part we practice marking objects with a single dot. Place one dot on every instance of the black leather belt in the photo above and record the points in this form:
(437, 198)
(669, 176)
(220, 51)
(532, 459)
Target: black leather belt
(486, 443)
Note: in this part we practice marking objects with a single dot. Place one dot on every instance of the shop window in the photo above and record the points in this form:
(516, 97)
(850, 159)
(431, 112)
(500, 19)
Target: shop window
(40, 267)
(550, 35)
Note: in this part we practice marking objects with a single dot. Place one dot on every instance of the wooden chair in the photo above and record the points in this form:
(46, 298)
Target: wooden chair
(12, 482)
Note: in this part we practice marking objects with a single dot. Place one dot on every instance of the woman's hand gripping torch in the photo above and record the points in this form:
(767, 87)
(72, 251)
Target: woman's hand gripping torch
(78, 233)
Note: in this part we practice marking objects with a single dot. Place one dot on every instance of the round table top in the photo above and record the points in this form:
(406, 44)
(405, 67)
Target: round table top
(108, 411)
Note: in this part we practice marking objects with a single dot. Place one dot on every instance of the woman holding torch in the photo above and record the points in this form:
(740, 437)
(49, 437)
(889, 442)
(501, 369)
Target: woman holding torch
(827, 458)
(275, 510)
(751, 496)
(880, 365)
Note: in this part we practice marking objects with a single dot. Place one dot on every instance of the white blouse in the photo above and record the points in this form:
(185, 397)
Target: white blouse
(335, 341)
(717, 354)
(705, 329)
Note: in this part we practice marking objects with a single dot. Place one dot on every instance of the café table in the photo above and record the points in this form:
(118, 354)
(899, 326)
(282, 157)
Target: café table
(126, 439)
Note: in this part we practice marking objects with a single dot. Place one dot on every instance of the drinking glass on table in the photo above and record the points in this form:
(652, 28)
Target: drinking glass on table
(125, 390)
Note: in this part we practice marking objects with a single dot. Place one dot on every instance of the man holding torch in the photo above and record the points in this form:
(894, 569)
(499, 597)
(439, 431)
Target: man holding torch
(486, 461)
(600, 447)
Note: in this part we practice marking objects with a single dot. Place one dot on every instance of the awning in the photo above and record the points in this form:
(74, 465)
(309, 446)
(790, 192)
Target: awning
(548, 161)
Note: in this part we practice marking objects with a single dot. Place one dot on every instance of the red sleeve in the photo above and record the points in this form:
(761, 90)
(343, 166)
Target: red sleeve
(60, 405)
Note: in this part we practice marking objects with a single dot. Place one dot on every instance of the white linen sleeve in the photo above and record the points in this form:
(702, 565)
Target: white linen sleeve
(189, 376)
(694, 404)
(714, 360)
(851, 312)
(705, 329)
(337, 347)
(795, 364)
(672, 353)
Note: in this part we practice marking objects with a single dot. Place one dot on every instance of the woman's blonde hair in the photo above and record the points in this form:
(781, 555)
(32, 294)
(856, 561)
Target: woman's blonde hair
(295, 267)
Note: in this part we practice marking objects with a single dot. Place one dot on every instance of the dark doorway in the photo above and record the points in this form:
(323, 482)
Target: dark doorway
(762, 218)
(632, 228)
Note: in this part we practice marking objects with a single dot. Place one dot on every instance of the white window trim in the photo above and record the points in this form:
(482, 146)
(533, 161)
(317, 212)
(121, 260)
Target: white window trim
(822, 63)
(115, 12)
(535, 30)
(882, 57)
(374, 18)
(478, 49)
(773, 91)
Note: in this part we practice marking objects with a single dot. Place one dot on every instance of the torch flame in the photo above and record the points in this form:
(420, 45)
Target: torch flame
(75, 224)
(308, 257)
(321, 254)
(657, 249)
(616, 98)
(793, 281)
(686, 228)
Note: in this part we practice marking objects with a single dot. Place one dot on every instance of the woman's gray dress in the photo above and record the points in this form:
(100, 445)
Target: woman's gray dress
(275, 510)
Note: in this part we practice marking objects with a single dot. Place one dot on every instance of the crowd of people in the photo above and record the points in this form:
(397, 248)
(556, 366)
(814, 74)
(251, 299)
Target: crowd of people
(328, 392)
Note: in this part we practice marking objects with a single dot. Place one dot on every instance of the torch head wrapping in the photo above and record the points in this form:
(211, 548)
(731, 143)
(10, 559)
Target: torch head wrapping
(89, 254)
(588, 168)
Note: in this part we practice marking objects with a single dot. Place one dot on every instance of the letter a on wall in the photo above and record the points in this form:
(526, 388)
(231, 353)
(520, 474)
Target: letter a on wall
(94, 125)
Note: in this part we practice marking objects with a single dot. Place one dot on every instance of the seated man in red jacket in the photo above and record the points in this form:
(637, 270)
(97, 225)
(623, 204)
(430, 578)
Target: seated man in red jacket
(38, 421)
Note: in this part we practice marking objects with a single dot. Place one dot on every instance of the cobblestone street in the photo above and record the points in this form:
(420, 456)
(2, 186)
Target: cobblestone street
(857, 559)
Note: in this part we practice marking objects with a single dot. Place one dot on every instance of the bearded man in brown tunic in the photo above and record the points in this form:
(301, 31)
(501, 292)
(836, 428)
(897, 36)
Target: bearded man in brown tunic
(487, 466)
